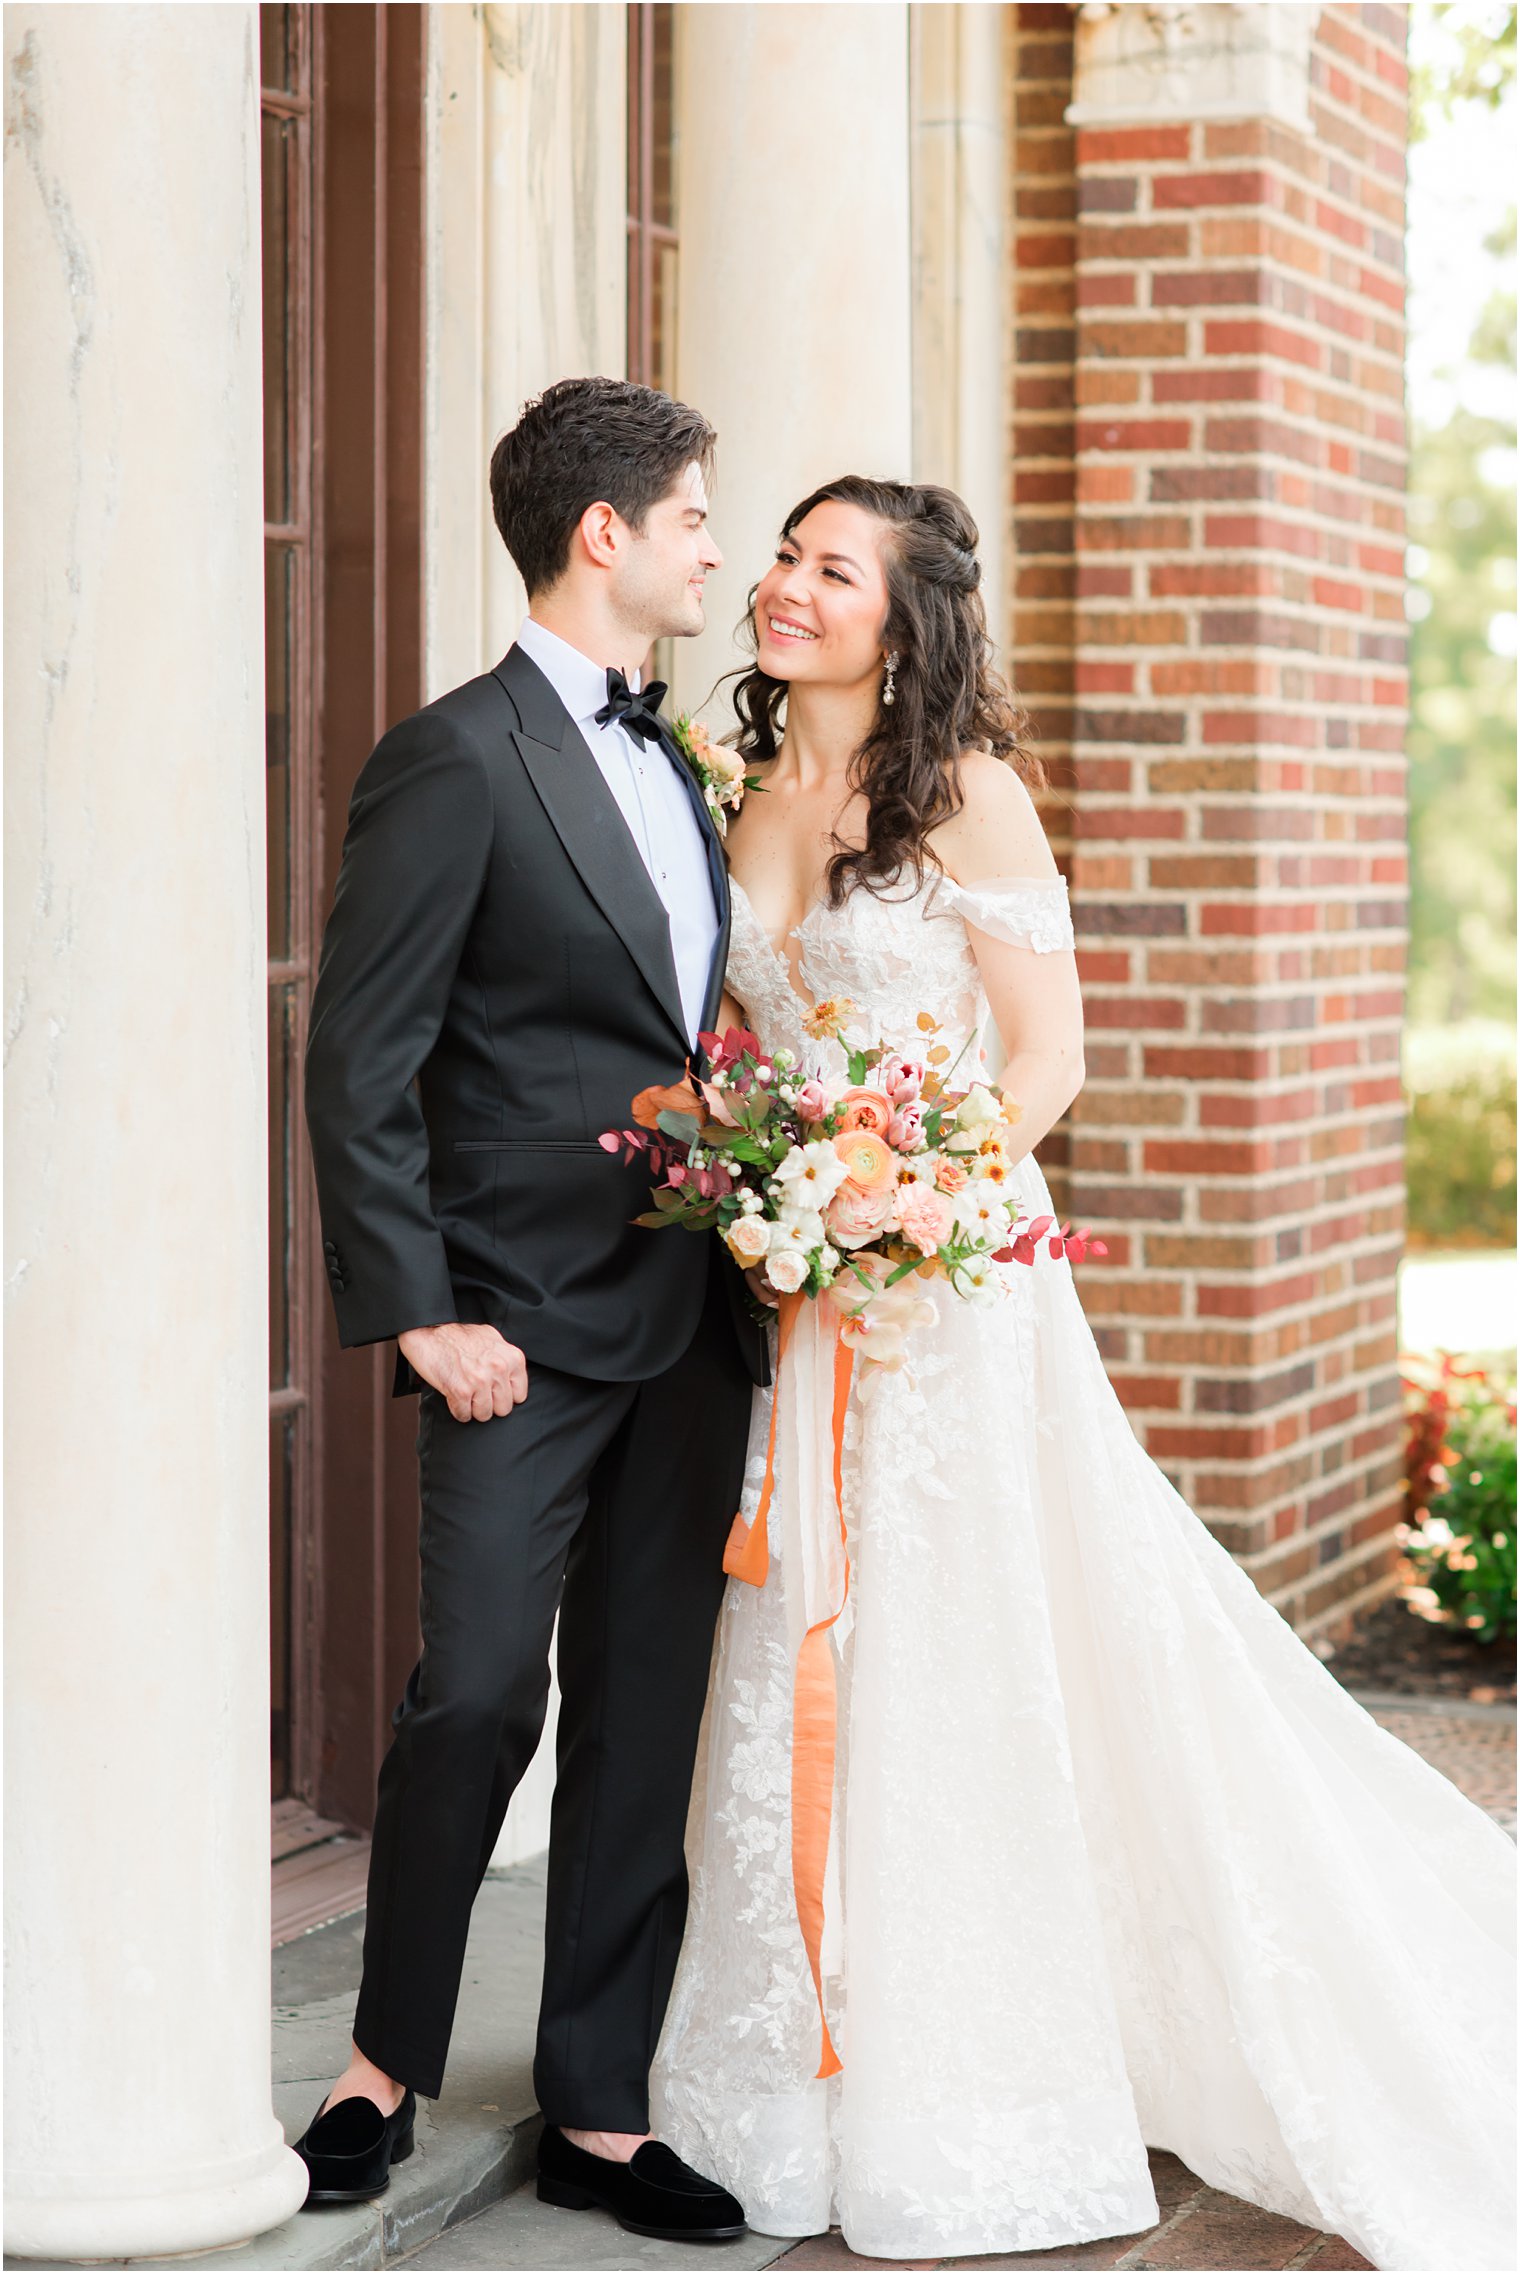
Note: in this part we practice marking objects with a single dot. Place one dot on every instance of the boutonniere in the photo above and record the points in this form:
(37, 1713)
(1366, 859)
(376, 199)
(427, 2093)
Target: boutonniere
(718, 771)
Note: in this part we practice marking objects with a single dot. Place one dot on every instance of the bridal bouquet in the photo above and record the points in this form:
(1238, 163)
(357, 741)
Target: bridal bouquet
(858, 1190)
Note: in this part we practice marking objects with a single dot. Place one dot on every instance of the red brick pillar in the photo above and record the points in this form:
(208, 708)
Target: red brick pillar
(1239, 872)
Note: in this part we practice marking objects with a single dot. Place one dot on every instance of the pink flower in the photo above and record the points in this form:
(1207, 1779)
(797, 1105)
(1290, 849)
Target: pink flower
(855, 1215)
(906, 1130)
(906, 1080)
(925, 1215)
(812, 1102)
(865, 1109)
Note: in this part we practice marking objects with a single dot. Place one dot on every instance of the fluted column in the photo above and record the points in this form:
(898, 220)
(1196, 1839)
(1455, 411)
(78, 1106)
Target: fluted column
(137, 1726)
(795, 324)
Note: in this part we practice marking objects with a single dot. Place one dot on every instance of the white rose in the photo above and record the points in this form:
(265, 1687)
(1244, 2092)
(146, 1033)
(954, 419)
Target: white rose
(786, 1271)
(811, 1174)
(977, 1108)
(747, 1239)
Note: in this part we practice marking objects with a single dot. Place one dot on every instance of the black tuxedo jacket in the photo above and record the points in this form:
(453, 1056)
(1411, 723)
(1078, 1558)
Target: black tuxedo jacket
(496, 983)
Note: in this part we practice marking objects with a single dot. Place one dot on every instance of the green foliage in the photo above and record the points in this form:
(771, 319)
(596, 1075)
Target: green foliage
(1462, 564)
(1462, 698)
(1474, 61)
(1460, 1153)
(1461, 1476)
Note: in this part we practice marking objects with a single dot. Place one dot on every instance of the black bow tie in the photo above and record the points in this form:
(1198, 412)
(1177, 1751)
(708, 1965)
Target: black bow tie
(639, 713)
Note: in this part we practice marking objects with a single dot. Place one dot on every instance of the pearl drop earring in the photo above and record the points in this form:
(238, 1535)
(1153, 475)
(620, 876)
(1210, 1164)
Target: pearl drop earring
(889, 693)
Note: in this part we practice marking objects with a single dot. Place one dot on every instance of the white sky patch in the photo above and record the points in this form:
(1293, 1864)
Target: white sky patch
(1462, 179)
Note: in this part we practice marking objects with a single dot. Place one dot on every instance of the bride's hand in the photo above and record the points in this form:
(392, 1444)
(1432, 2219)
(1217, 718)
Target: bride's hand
(475, 1368)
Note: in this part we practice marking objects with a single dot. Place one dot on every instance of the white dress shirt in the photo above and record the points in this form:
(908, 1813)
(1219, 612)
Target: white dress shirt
(652, 801)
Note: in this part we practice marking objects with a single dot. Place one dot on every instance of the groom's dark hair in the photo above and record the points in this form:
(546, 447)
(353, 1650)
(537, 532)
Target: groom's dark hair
(585, 442)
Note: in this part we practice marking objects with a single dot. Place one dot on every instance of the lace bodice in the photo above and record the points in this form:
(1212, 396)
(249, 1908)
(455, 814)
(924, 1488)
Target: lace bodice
(895, 954)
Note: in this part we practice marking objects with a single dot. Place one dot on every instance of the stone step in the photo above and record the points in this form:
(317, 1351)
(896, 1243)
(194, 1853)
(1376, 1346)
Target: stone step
(521, 2231)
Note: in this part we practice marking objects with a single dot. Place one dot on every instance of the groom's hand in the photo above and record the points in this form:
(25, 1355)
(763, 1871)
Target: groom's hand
(475, 1368)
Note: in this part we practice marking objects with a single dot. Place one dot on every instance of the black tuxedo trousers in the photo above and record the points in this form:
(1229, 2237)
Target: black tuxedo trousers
(611, 1502)
(496, 983)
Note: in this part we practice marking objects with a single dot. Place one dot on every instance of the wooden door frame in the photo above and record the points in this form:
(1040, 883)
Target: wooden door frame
(356, 453)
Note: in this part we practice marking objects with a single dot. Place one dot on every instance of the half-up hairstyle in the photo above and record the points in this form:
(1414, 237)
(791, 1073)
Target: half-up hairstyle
(947, 696)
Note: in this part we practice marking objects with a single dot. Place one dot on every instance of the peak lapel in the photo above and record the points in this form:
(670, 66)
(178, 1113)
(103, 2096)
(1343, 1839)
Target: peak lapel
(587, 822)
(717, 869)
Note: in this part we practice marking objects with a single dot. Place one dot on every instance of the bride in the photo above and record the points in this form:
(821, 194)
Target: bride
(1112, 1858)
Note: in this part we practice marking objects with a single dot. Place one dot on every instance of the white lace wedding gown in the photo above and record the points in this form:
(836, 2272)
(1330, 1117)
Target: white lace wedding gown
(1115, 1860)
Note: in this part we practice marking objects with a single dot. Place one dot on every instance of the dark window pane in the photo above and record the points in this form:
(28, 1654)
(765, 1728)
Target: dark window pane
(282, 1429)
(278, 152)
(662, 125)
(277, 48)
(280, 568)
(662, 319)
(281, 1151)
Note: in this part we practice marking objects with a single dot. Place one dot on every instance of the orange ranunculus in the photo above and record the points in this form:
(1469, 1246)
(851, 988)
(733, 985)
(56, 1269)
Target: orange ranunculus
(949, 1175)
(666, 1097)
(868, 1158)
(865, 1109)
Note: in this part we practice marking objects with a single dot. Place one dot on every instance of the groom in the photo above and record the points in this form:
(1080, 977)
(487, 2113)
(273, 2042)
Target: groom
(531, 925)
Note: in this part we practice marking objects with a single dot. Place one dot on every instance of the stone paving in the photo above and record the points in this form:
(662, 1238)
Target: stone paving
(1474, 1745)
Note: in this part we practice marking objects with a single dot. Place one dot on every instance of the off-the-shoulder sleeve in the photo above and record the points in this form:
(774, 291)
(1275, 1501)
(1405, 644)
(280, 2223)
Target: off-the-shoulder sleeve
(1025, 911)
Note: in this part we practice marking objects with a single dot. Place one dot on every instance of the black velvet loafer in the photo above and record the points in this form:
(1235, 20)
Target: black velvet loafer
(653, 2194)
(348, 2150)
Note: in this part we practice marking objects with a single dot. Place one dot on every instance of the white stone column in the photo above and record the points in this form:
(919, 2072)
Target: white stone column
(527, 273)
(795, 324)
(137, 2025)
(960, 270)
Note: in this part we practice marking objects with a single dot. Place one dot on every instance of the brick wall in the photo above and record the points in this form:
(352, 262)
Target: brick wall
(1230, 727)
(1042, 434)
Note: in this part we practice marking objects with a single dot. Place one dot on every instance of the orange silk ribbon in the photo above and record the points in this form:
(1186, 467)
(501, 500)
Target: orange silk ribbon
(815, 1705)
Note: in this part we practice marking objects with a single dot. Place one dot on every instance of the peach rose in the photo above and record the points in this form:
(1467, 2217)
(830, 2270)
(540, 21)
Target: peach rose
(856, 1214)
(747, 1239)
(867, 1158)
(866, 1109)
(948, 1174)
(926, 1217)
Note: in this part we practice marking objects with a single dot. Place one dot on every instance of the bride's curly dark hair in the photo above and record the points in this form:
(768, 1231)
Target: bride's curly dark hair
(947, 697)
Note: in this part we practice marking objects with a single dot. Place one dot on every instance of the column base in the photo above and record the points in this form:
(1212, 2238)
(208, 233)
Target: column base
(214, 2211)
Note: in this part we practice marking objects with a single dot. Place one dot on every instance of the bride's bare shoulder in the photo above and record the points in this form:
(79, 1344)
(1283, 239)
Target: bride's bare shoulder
(997, 831)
